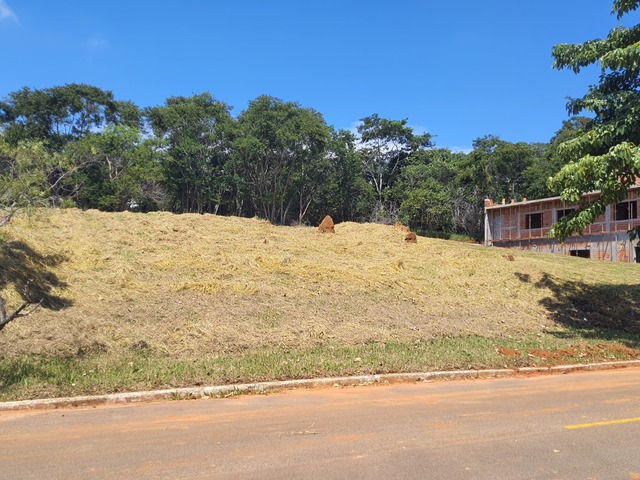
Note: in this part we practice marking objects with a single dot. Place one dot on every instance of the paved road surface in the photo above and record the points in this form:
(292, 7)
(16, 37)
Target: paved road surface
(576, 426)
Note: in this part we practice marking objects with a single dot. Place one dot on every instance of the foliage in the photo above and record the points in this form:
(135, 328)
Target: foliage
(425, 190)
(428, 209)
(344, 193)
(549, 161)
(276, 160)
(605, 156)
(118, 170)
(197, 132)
(25, 171)
(386, 144)
(281, 155)
(62, 114)
(25, 182)
(495, 169)
(498, 167)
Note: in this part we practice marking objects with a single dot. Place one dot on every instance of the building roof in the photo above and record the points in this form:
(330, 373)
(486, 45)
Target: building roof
(541, 200)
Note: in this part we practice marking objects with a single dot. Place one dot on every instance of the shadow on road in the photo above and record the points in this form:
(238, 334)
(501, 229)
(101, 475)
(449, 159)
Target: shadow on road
(21, 264)
(601, 311)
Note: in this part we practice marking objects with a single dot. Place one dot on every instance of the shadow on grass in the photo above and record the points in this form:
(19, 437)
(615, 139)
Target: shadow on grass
(607, 312)
(19, 371)
(22, 265)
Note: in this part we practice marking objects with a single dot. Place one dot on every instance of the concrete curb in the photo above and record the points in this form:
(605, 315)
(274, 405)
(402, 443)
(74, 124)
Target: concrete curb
(265, 387)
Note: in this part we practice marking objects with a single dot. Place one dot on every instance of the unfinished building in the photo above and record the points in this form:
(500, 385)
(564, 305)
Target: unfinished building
(526, 225)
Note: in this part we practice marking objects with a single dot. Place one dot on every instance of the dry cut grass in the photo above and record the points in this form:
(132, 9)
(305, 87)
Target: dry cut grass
(198, 286)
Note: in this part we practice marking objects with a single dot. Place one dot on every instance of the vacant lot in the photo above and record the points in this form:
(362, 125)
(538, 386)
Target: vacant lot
(147, 300)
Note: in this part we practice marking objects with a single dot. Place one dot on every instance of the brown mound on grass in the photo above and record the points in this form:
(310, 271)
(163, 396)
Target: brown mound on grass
(327, 225)
(402, 227)
(411, 238)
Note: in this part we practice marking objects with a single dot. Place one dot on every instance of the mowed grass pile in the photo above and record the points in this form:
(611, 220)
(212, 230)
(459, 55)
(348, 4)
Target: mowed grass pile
(154, 300)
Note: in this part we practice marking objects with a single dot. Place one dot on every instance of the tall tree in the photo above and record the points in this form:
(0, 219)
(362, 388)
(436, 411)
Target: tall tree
(494, 169)
(281, 154)
(550, 162)
(118, 170)
(344, 193)
(606, 156)
(424, 191)
(498, 167)
(62, 114)
(198, 132)
(386, 145)
(24, 183)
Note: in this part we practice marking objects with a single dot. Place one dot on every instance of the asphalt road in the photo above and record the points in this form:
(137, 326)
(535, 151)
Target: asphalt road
(575, 426)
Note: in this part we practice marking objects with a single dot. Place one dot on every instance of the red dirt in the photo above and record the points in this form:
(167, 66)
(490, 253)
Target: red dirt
(411, 238)
(327, 225)
(508, 352)
(618, 349)
(601, 352)
(402, 227)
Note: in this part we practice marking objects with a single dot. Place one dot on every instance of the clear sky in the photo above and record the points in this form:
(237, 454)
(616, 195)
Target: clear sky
(457, 69)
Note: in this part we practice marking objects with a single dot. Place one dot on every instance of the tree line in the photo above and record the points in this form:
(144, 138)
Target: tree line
(77, 145)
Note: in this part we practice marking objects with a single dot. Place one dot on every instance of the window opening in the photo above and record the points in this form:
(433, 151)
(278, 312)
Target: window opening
(583, 253)
(564, 212)
(533, 220)
(627, 210)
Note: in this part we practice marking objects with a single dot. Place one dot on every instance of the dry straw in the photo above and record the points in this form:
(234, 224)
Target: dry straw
(194, 285)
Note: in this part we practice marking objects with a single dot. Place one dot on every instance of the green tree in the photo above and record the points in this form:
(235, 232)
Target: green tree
(550, 162)
(197, 133)
(386, 144)
(606, 155)
(426, 190)
(281, 156)
(62, 114)
(428, 209)
(495, 169)
(118, 170)
(24, 172)
(343, 192)
(498, 167)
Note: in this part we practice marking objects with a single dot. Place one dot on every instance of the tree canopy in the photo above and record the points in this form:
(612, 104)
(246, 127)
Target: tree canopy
(278, 160)
(281, 154)
(386, 144)
(605, 156)
(196, 133)
(62, 114)
(24, 171)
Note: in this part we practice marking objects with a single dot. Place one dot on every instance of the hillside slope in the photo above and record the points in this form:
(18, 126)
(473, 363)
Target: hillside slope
(197, 285)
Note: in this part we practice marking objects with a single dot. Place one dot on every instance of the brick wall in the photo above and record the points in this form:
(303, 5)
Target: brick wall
(527, 225)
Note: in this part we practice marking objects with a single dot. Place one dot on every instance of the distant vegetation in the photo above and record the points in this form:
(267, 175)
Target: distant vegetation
(76, 145)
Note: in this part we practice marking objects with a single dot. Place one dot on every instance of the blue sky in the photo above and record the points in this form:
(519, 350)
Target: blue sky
(459, 70)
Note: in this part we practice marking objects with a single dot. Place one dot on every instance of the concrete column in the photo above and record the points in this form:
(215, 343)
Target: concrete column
(487, 229)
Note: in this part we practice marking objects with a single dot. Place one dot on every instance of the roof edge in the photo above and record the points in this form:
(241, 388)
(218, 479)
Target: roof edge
(542, 200)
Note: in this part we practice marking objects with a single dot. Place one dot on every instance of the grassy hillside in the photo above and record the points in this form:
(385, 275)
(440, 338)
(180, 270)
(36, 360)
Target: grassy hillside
(203, 291)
